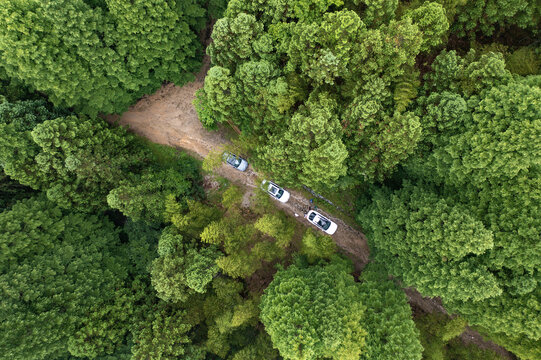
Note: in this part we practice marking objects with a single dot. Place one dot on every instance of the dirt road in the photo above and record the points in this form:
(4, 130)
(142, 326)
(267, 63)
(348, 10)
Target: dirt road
(168, 117)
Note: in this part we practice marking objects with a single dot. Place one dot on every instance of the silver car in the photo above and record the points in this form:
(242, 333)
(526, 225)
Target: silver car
(236, 161)
(321, 222)
(275, 191)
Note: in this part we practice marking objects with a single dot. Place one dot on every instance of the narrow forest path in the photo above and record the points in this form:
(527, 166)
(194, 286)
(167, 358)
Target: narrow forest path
(168, 117)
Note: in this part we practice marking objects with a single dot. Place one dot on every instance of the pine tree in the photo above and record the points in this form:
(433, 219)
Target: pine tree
(391, 332)
(59, 279)
(102, 58)
(314, 312)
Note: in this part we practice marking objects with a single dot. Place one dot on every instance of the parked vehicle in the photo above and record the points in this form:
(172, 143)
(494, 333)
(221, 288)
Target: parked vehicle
(321, 222)
(275, 191)
(236, 161)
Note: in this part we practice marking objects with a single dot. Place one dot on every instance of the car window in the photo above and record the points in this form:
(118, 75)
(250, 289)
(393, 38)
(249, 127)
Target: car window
(324, 223)
(280, 193)
(312, 216)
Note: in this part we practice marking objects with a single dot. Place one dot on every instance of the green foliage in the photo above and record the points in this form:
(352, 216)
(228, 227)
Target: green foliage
(232, 197)
(524, 61)
(278, 226)
(163, 333)
(439, 337)
(215, 100)
(142, 242)
(480, 151)
(430, 327)
(457, 350)
(223, 52)
(290, 78)
(247, 244)
(378, 12)
(181, 268)
(453, 328)
(12, 90)
(405, 90)
(11, 192)
(17, 149)
(432, 21)
(261, 349)
(105, 328)
(213, 160)
(376, 156)
(495, 143)
(430, 244)
(81, 161)
(313, 312)
(391, 332)
(76, 161)
(312, 146)
(59, 273)
(227, 314)
(316, 246)
(486, 15)
(235, 239)
(522, 346)
(100, 59)
(192, 221)
(143, 198)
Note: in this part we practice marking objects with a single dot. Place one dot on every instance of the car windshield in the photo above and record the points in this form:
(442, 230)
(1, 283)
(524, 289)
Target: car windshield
(236, 162)
(324, 223)
(280, 193)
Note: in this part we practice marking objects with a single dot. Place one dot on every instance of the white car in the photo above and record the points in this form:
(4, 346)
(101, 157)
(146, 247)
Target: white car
(321, 222)
(275, 191)
(236, 161)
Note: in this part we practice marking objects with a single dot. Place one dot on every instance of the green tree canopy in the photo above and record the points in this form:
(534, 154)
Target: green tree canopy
(100, 59)
(432, 21)
(59, 274)
(182, 269)
(430, 244)
(391, 332)
(313, 312)
(477, 170)
(290, 77)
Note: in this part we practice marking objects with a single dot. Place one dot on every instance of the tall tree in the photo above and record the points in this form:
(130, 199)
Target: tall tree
(60, 273)
(181, 268)
(391, 332)
(314, 312)
(17, 148)
(100, 59)
(480, 153)
(429, 244)
(296, 89)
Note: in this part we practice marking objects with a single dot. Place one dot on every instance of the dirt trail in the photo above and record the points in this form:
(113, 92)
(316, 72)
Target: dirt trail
(168, 117)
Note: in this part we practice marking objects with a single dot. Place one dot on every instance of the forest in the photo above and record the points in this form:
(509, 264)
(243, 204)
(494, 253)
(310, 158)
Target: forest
(422, 119)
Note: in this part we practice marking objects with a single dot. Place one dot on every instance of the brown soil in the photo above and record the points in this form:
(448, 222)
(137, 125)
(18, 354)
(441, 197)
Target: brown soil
(168, 117)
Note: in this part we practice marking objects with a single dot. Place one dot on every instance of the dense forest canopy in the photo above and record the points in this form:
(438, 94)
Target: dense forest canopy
(424, 114)
(100, 56)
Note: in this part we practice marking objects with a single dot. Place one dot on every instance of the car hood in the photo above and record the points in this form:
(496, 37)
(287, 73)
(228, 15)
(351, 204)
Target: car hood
(284, 197)
(243, 165)
(332, 229)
